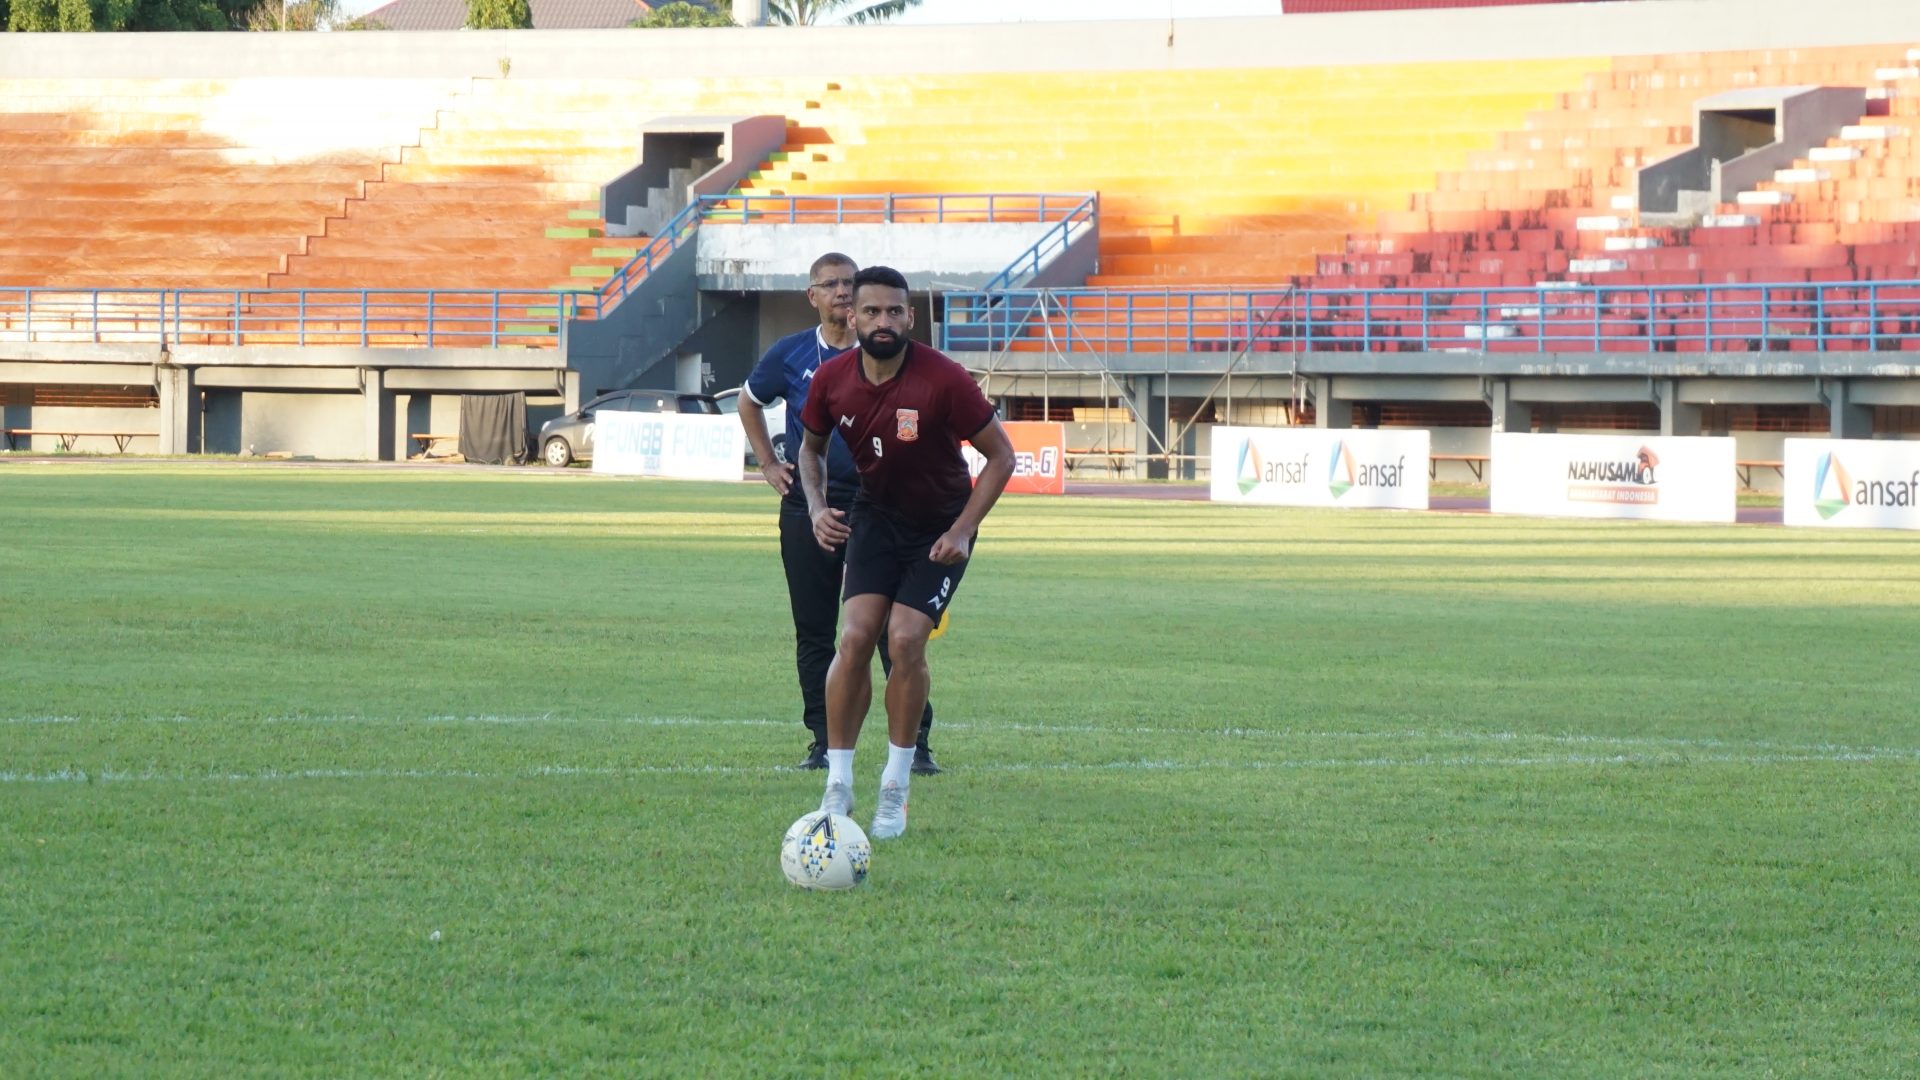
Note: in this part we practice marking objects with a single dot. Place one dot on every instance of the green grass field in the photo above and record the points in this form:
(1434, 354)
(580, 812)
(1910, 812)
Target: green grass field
(1231, 792)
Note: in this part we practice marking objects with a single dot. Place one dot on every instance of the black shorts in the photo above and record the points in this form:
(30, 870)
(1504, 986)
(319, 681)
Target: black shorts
(889, 558)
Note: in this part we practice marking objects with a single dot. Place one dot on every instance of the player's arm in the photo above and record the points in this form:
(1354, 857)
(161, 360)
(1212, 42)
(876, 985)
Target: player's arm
(992, 443)
(778, 474)
(829, 525)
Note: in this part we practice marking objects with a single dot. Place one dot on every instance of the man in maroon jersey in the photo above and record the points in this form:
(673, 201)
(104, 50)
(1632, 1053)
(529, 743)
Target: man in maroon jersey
(903, 410)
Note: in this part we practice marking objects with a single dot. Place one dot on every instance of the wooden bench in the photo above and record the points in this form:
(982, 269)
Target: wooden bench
(1744, 470)
(1476, 462)
(67, 438)
(428, 442)
(1117, 460)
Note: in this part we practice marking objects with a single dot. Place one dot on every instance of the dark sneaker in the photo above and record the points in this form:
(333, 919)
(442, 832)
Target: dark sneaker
(923, 763)
(816, 757)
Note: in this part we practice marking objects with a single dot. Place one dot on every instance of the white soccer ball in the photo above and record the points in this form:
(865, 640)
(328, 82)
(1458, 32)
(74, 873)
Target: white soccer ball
(825, 851)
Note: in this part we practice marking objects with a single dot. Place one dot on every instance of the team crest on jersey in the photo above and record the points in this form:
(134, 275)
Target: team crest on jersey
(908, 421)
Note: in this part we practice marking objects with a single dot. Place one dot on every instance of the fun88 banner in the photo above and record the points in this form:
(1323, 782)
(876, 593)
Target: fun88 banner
(1039, 457)
(691, 447)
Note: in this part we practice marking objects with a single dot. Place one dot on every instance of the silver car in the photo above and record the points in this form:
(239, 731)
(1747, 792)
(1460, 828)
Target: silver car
(776, 416)
(567, 439)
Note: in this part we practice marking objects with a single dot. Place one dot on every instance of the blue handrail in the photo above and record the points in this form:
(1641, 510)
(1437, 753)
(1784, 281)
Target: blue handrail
(1553, 318)
(883, 209)
(1054, 240)
(287, 317)
(452, 317)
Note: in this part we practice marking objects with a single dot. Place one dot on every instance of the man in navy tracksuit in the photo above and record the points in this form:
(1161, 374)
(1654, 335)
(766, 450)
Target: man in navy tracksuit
(813, 575)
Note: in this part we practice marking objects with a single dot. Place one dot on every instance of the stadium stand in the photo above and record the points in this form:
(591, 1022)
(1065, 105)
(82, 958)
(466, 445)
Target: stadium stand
(1555, 200)
(1205, 177)
(144, 183)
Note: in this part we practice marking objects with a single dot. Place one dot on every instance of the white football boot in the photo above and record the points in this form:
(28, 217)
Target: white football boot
(838, 799)
(889, 813)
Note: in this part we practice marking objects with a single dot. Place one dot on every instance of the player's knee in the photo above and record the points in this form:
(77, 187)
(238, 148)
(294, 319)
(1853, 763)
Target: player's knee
(858, 639)
(907, 644)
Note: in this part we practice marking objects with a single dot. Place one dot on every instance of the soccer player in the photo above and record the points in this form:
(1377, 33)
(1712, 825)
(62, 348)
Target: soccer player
(902, 409)
(813, 575)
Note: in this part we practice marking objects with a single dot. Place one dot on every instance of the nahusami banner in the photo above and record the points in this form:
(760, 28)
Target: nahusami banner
(1665, 478)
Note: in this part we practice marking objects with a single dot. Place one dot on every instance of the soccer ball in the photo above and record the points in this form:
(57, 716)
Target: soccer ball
(825, 851)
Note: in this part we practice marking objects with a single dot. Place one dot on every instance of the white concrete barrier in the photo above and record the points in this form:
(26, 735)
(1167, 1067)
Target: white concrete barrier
(1347, 467)
(688, 446)
(1666, 478)
(1852, 484)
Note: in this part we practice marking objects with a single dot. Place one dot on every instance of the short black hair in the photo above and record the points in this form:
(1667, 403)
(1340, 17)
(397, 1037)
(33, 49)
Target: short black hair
(880, 275)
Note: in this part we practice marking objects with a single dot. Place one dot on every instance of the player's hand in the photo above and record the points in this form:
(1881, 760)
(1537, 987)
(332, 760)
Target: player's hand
(951, 548)
(830, 528)
(778, 475)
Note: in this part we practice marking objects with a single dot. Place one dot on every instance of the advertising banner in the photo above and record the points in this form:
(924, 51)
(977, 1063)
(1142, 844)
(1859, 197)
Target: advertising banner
(1321, 466)
(1039, 457)
(684, 445)
(1664, 478)
(1852, 483)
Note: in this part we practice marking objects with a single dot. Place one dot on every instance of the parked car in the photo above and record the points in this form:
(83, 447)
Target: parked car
(776, 413)
(567, 439)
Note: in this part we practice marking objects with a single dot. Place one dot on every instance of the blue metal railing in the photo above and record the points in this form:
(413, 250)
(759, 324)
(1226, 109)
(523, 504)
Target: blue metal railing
(1788, 317)
(1051, 243)
(885, 209)
(445, 318)
(455, 318)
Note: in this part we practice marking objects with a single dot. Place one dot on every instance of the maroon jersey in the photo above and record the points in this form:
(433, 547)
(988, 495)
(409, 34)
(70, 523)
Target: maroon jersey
(905, 433)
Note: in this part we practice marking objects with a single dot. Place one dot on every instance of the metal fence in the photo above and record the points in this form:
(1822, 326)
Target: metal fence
(1789, 317)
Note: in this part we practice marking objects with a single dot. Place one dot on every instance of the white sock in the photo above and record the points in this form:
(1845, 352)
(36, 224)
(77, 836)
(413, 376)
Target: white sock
(840, 768)
(899, 765)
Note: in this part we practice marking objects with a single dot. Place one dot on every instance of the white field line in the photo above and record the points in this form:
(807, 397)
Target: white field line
(1835, 751)
(104, 776)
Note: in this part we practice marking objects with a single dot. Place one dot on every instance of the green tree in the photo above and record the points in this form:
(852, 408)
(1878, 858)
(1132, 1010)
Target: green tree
(680, 13)
(814, 12)
(77, 15)
(292, 15)
(499, 15)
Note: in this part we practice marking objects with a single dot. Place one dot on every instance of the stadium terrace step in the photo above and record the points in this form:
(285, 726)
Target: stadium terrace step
(1833, 153)
(1763, 198)
(469, 246)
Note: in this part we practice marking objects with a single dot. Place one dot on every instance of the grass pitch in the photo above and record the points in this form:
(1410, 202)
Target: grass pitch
(325, 772)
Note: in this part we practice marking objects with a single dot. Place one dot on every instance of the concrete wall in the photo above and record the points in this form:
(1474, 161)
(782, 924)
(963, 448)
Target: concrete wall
(944, 257)
(53, 418)
(318, 425)
(1282, 41)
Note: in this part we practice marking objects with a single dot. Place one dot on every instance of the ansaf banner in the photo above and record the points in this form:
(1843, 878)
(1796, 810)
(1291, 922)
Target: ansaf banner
(1321, 466)
(685, 445)
(1664, 478)
(1039, 457)
(1852, 483)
